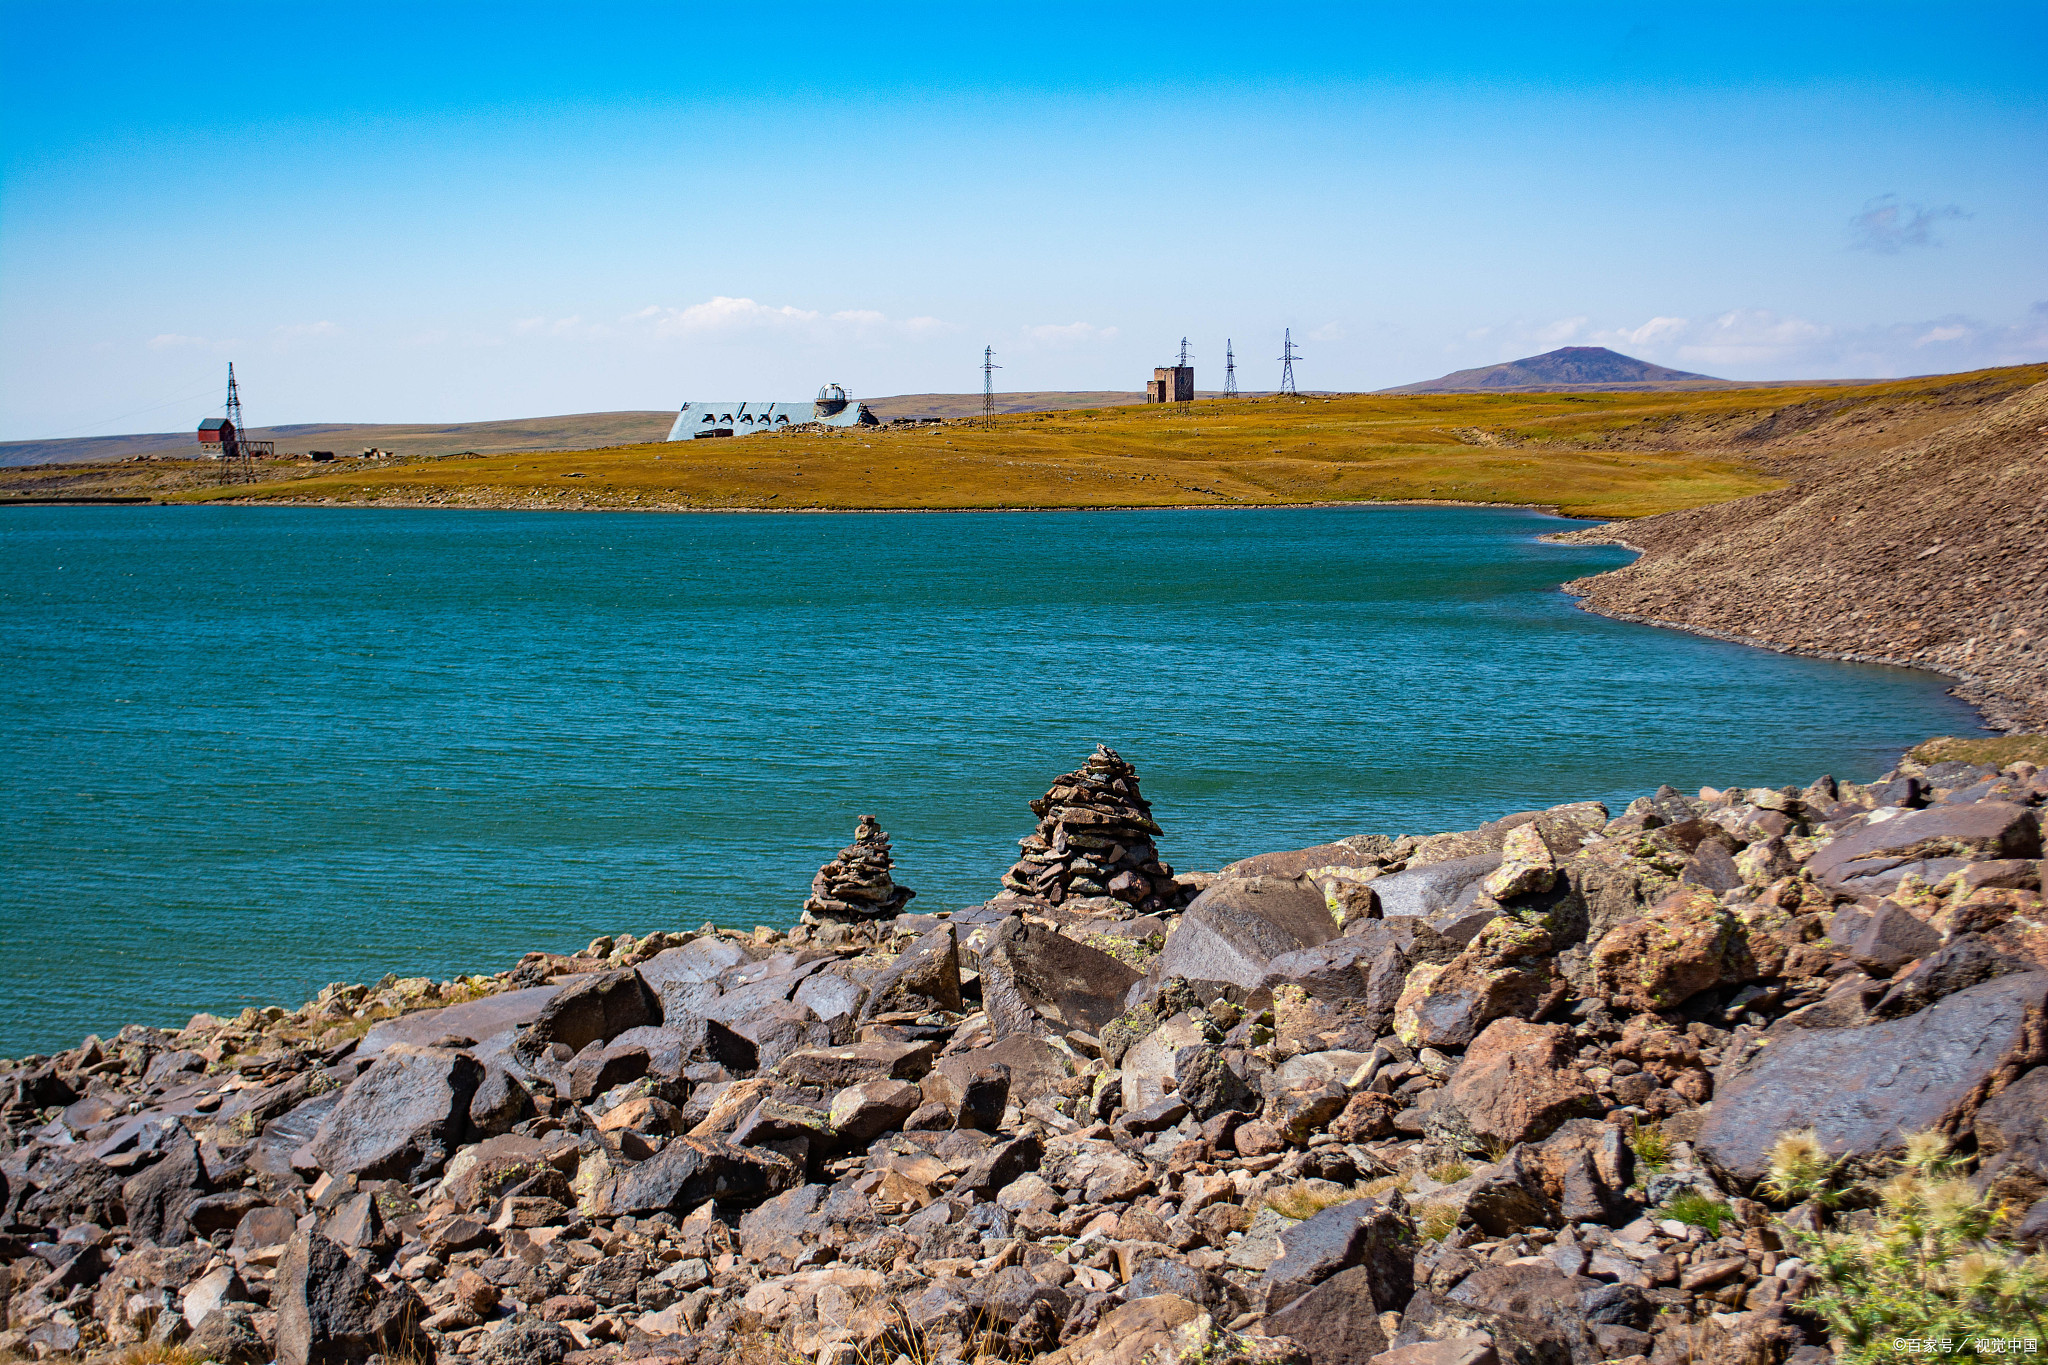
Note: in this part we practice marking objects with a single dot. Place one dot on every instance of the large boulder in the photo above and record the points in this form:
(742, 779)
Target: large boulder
(159, 1200)
(331, 1310)
(1506, 970)
(1516, 1084)
(1373, 1235)
(596, 1009)
(1034, 1065)
(402, 1118)
(1233, 930)
(1336, 1322)
(1863, 1089)
(1689, 942)
(1037, 980)
(692, 1171)
(1878, 856)
(925, 977)
(1159, 1327)
(1427, 892)
(473, 1019)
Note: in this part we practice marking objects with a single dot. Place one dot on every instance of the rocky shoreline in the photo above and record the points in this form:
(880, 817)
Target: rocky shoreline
(1924, 555)
(1520, 1093)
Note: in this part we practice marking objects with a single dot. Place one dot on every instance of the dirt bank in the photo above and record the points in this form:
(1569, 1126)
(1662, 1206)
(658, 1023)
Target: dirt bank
(1927, 554)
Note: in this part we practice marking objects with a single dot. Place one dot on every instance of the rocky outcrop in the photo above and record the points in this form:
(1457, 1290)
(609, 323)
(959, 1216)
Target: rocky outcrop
(857, 885)
(1094, 842)
(1921, 554)
(1379, 1099)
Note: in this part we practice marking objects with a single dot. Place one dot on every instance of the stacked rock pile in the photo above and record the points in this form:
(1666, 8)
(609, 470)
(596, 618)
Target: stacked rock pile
(1094, 839)
(856, 885)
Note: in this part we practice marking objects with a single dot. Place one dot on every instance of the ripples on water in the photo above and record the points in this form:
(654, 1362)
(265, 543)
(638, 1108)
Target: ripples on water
(254, 750)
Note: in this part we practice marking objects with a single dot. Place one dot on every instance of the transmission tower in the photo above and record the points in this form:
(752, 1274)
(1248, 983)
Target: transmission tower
(235, 464)
(1287, 359)
(1183, 352)
(1229, 370)
(988, 379)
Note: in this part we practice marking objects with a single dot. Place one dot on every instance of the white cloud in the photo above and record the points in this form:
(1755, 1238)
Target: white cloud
(1066, 336)
(1888, 227)
(1329, 331)
(1561, 332)
(176, 341)
(1756, 343)
(725, 316)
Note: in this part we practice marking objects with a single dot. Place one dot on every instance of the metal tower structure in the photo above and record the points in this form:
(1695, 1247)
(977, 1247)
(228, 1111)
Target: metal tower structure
(1183, 362)
(988, 380)
(1287, 359)
(1229, 370)
(235, 464)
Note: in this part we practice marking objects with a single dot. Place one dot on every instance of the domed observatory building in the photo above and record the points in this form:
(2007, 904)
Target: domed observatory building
(831, 408)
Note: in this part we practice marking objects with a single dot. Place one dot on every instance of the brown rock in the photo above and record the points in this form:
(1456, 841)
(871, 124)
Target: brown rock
(1516, 1084)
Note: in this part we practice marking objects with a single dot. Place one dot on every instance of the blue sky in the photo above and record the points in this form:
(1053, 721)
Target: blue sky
(450, 212)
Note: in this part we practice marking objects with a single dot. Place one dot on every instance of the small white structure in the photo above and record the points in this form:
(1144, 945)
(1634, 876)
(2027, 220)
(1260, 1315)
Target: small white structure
(832, 408)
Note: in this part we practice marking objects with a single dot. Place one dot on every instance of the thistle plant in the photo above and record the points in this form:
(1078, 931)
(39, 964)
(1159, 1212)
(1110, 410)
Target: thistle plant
(1801, 1170)
(1931, 1266)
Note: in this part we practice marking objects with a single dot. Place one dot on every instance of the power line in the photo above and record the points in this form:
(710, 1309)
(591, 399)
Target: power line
(1288, 357)
(1229, 370)
(988, 379)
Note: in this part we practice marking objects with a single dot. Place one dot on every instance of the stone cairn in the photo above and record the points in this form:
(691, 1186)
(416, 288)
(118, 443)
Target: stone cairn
(1094, 840)
(856, 884)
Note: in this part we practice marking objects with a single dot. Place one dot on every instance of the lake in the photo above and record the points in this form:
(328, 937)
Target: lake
(254, 750)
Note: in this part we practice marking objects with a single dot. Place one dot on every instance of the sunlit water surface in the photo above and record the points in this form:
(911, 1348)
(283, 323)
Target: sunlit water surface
(253, 750)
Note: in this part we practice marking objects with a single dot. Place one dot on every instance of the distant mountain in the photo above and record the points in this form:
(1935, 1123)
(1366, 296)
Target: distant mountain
(1568, 367)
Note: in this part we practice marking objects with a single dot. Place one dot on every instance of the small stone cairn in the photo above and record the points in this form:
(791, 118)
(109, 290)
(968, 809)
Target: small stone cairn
(1094, 842)
(856, 885)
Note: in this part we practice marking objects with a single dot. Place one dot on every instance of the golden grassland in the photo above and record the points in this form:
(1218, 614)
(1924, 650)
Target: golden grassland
(1251, 451)
(1595, 455)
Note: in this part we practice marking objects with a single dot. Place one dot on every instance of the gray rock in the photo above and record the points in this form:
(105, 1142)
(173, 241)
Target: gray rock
(925, 977)
(1862, 1089)
(1372, 1234)
(1205, 1081)
(1876, 856)
(160, 1199)
(834, 999)
(526, 1343)
(691, 1171)
(862, 1113)
(1337, 1322)
(1035, 980)
(1889, 937)
(2012, 1126)
(1235, 929)
(1431, 1320)
(331, 1309)
(983, 1098)
(501, 1101)
(597, 1008)
(856, 1063)
(485, 1018)
(1425, 892)
(786, 1226)
(1000, 1165)
(402, 1118)
(228, 1335)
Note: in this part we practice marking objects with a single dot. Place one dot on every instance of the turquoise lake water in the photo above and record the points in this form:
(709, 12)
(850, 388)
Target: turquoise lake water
(253, 750)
